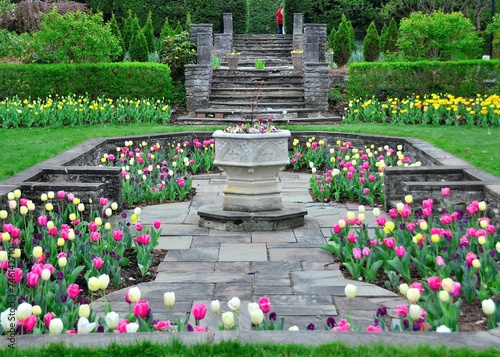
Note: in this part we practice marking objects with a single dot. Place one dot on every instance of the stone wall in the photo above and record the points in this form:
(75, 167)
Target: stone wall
(198, 82)
(316, 85)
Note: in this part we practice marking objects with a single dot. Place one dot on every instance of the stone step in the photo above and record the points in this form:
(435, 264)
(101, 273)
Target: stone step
(253, 92)
(267, 105)
(207, 117)
(256, 99)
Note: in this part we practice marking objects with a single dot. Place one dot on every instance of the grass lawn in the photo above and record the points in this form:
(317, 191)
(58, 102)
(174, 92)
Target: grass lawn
(230, 349)
(22, 148)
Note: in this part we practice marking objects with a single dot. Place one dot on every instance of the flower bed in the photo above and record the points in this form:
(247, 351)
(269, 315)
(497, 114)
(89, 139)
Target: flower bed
(434, 109)
(456, 254)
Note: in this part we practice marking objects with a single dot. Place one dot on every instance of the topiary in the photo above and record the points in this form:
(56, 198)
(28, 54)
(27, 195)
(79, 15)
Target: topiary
(138, 45)
(371, 44)
(148, 32)
(392, 37)
(341, 44)
(115, 30)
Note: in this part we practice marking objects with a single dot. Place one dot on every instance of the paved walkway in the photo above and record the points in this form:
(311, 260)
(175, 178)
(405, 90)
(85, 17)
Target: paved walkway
(302, 281)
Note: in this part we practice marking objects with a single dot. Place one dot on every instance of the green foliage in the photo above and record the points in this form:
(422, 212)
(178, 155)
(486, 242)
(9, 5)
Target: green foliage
(439, 36)
(148, 32)
(127, 31)
(494, 29)
(178, 51)
(73, 38)
(260, 17)
(383, 37)
(6, 5)
(12, 45)
(113, 80)
(115, 30)
(352, 38)
(371, 44)
(403, 79)
(138, 50)
(342, 44)
(392, 37)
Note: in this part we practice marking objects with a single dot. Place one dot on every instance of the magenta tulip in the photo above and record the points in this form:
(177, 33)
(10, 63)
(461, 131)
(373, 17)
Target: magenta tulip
(32, 279)
(143, 240)
(98, 262)
(445, 191)
(434, 283)
(199, 311)
(356, 253)
(117, 235)
(141, 308)
(73, 291)
(265, 304)
(28, 324)
(400, 251)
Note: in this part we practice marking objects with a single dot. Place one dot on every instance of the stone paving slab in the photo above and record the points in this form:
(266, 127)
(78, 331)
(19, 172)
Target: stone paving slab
(207, 253)
(243, 252)
(216, 239)
(298, 254)
(174, 242)
(185, 267)
(274, 266)
(203, 277)
(226, 291)
(182, 230)
(233, 267)
(285, 236)
(267, 290)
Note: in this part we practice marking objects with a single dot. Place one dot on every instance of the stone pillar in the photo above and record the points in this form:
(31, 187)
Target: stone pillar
(314, 43)
(316, 83)
(195, 29)
(223, 44)
(198, 82)
(228, 23)
(298, 31)
(204, 47)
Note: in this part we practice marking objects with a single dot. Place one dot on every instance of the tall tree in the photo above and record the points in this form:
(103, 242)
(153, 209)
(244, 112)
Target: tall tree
(371, 44)
(149, 33)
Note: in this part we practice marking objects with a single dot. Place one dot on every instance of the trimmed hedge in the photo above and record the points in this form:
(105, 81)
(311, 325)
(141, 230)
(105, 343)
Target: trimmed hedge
(402, 79)
(113, 80)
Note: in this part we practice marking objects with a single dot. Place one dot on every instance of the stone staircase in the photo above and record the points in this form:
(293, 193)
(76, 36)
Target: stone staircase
(247, 93)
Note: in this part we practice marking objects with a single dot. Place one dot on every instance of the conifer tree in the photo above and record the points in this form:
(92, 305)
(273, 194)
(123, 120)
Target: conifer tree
(115, 30)
(166, 31)
(341, 44)
(352, 38)
(127, 31)
(383, 37)
(148, 32)
(392, 37)
(371, 44)
(138, 45)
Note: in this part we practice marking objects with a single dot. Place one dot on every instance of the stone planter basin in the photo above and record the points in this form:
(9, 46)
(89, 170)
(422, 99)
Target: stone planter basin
(251, 162)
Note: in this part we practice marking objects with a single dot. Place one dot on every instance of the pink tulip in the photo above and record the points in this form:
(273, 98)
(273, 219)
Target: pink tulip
(199, 311)
(472, 208)
(32, 279)
(445, 191)
(138, 226)
(7, 227)
(446, 218)
(375, 329)
(400, 251)
(141, 308)
(71, 332)
(427, 212)
(42, 221)
(439, 261)
(265, 304)
(381, 221)
(469, 257)
(491, 229)
(14, 275)
(103, 201)
(410, 226)
(366, 191)
(401, 310)
(356, 253)
(23, 202)
(199, 329)
(393, 213)
(93, 226)
(98, 262)
(336, 229)
(143, 240)
(95, 236)
(53, 232)
(434, 283)
(47, 318)
(351, 237)
(163, 325)
(122, 326)
(157, 224)
(405, 213)
(471, 231)
(343, 326)
(73, 291)
(28, 324)
(117, 235)
(389, 242)
(61, 194)
(366, 251)
(428, 203)
(418, 286)
(456, 289)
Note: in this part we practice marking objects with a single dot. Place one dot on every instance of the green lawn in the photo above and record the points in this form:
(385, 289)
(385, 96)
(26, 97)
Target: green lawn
(22, 148)
(230, 349)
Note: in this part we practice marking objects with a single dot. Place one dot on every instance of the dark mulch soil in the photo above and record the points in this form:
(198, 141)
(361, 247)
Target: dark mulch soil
(471, 316)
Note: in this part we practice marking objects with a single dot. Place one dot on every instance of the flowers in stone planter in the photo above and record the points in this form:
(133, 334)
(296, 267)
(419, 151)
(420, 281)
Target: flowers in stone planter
(234, 53)
(296, 52)
(259, 126)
